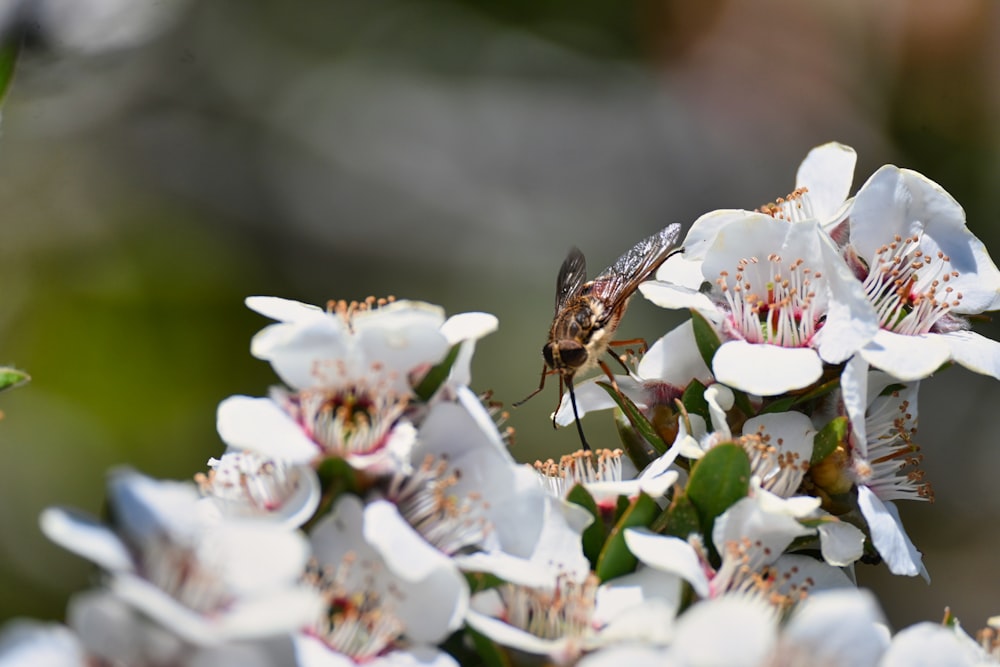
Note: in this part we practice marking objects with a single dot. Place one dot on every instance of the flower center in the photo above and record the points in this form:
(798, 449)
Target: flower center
(357, 621)
(909, 287)
(793, 208)
(562, 611)
(780, 472)
(427, 499)
(354, 418)
(249, 482)
(893, 470)
(772, 302)
(580, 467)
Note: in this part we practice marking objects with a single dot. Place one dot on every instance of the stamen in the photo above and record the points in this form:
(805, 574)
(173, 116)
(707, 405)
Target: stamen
(580, 467)
(426, 498)
(892, 470)
(793, 208)
(348, 309)
(358, 621)
(772, 302)
(564, 611)
(780, 472)
(250, 481)
(351, 418)
(909, 288)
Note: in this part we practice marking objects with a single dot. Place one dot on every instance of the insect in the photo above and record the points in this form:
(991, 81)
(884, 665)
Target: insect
(588, 312)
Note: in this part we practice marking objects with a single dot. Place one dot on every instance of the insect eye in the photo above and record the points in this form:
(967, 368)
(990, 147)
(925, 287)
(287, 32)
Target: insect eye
(547, 355)
(573, 356)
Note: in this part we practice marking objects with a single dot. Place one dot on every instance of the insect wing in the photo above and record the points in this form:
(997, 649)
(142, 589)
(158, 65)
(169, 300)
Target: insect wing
(572, 275)
(620, 280)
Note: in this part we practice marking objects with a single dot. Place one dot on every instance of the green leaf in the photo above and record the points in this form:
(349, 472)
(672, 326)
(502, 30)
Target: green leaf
(636, 418)
(679, 520)
(10, 47)
(705, 337)
(488, 652)
(694, 401)
(615, 559)
(718, 480)
(437, 375)
(821, 390)
(11, 377)
(780, 405)
(828, 438)
(595, 534)
(635, 446)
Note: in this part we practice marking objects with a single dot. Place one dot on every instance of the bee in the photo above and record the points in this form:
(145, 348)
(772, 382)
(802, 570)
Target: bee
(588, 312)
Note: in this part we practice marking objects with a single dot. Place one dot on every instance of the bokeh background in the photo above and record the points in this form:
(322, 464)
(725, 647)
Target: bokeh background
(160, 161)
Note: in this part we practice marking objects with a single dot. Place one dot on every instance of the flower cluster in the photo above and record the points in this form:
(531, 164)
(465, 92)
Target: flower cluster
(367, 510)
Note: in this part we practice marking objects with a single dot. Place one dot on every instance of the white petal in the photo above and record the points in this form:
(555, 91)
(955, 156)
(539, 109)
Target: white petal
(705, 229)
(252, 556)
(653, 486)
(283, 310)
(637, 655)
(906, 357)
(85, 537)
(25, 643)
(668, 554)
(975, 352)
(889, 537)
(681, 271)
(303, 353)
(674, 358)
(851, 320)
(311, 652)
(860, 638)
(840, 542)
(770, 531)
(507, 635)
(827, 172)
(765, 370)
(929, 645)
(635, 591)
(854, 393)
(513, 569)
(407, 554)
(797, 573)
(750, 633)
(468, 326)
(258, 424)
(675, 297)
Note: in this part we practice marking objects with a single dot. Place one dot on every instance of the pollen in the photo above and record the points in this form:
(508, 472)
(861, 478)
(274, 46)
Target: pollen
(348, 309)
(433, 502)
(562, 611)
(910, 287)
(358, 621)
(793, 208)
(248, 483)
(580, 467)
(773, 301)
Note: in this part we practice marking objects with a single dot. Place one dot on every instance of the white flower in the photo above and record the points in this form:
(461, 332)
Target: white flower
(351, 373)
(783, 300)
(573, 613)
(206, 581)
(382, 605)
(245, 484)
(883, 460)
(922, 269)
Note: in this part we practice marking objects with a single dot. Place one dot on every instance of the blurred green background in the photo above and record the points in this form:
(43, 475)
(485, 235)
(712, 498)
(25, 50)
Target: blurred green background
(155, 169)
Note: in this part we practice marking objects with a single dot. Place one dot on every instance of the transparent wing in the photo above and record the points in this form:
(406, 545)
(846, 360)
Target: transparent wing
(572, 275)
(621, 279)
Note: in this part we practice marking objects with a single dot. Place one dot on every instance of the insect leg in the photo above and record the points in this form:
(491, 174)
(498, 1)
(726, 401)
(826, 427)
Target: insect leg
(541, 385)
